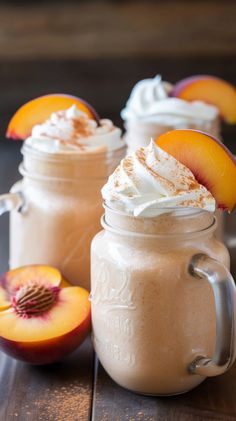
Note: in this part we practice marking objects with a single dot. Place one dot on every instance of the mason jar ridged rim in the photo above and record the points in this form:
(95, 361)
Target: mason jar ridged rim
(184, 235)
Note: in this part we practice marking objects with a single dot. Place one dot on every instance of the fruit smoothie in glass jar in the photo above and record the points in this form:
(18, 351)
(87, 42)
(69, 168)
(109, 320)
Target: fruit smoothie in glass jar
(199, 102)
(56, 206)
(151, 111)
(163, 300)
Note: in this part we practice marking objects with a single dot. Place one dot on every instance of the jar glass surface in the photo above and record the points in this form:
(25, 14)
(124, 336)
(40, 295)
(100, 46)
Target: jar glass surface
(150, 317)
(139, 132)
(62, 210)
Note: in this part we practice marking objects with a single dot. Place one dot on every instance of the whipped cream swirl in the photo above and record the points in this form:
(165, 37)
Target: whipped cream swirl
(150, 181)
(73, 131)
(150, 102)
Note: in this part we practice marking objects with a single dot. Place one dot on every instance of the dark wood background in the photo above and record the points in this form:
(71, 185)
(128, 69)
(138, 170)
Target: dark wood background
(98, 50)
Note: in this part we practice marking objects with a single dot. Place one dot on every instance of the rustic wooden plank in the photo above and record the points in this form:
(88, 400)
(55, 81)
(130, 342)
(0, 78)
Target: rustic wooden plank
(59, 392)
(214, 400)
(108, 29)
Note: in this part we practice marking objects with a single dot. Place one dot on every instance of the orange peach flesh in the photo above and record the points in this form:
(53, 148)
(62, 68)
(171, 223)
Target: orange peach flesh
(64, 283)
(210, 162)
(213, 91)
(40, 274)
(71, 310)
(4, 303)
(47, 351)
(38, 110)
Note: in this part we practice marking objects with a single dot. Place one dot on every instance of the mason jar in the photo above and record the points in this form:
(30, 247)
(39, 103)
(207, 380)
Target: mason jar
(56, 209)
(162, 300)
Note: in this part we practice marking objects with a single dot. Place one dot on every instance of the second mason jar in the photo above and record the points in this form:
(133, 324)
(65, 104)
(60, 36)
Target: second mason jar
(56, 209)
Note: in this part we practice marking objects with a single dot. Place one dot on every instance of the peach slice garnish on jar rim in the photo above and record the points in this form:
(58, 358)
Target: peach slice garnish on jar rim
(38, 110)
(210, 89)
(210, 161)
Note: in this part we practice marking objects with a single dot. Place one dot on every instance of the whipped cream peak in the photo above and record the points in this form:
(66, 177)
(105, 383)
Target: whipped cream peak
(73, 112)
(72, 130)
(150, 181)
(150, 102)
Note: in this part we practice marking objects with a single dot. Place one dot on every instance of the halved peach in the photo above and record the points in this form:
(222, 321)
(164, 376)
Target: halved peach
(44, 322)
(39, 109)
(209, 160)
(211, 90)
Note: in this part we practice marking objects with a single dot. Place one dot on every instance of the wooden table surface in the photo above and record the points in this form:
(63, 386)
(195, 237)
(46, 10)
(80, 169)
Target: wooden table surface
(135, 41)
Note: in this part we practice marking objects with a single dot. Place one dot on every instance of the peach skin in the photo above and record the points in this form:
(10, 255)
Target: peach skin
(209, 160)
(211, 90)
(39, 109)
(46, 319)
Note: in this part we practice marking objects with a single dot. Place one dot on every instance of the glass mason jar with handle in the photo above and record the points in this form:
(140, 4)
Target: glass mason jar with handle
(56, 209)
(163, 301)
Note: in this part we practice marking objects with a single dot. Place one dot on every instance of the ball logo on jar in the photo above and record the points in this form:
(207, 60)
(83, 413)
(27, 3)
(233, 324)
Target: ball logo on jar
(106, 289)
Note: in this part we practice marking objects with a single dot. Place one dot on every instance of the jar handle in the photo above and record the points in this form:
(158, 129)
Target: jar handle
(10, 201)
(204, 267)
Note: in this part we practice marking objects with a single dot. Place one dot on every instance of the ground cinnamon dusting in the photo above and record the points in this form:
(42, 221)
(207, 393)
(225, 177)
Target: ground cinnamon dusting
(70, 402)
(193, 185)
(128, 165)
(169, 184)
(190, 204)
(81, 128)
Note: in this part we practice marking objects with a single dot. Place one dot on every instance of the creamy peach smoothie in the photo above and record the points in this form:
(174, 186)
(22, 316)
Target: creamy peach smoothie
(66, 161)
(150, 317)
(151, 111)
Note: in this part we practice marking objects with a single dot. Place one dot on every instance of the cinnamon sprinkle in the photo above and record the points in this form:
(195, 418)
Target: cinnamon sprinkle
(81, 129)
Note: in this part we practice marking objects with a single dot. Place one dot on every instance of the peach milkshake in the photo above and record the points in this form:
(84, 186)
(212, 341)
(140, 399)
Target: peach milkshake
(151, 111)
(159, 326)
(198, 102)
(66, 160)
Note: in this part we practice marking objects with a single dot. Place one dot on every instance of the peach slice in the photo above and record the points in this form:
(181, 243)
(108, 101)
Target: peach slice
(211, 90)
(209, 160)
(45, 321)
(39, 109)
